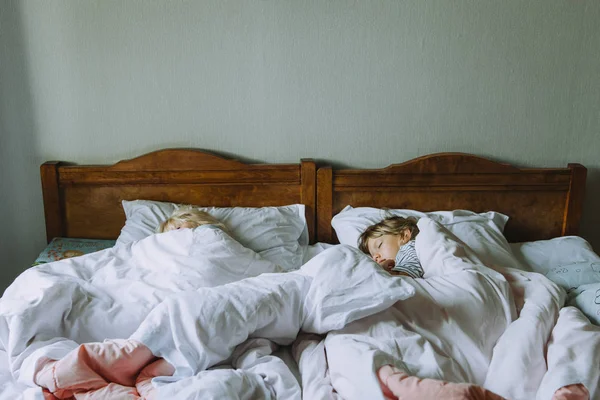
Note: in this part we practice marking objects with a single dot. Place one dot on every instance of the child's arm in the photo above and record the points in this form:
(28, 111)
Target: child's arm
(400, 273)
(388, 265)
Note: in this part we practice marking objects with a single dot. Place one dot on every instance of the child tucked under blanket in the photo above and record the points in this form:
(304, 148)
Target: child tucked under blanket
(190, 332)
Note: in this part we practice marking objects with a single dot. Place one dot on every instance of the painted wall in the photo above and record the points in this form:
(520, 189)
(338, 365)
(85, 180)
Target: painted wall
(360, 84)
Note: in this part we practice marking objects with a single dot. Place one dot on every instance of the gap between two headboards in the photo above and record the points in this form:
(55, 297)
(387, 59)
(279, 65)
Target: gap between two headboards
(84, 201)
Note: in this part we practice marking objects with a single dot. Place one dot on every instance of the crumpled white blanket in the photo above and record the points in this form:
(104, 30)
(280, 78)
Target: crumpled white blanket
(461, 325)
(196, 298)
(196, 330)
(51, 308)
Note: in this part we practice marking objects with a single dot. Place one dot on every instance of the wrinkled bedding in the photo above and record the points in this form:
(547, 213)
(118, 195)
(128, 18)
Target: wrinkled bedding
(501, 329)
(207, 316)
(52, 308)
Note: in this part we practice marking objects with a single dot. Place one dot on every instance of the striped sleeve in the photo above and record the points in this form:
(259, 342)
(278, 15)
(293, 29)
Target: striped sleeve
(407, 261)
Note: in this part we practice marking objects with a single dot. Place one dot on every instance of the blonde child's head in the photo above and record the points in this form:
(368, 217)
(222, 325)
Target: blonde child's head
(188, 217)
(397, 226)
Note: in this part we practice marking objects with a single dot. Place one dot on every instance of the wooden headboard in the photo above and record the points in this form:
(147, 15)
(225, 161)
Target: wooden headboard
(84, 201)
(541, 202)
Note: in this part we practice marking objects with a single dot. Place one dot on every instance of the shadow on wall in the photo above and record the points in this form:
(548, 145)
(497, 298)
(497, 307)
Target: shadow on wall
(590, 219)
(20, 194)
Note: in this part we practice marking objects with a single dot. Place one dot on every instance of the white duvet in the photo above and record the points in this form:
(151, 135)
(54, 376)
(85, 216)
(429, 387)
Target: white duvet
(217, 311)
(461, 325)
(51, 308)
(214, 309)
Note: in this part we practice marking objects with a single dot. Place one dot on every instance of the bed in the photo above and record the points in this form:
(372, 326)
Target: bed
(544, 206)
(87, 202)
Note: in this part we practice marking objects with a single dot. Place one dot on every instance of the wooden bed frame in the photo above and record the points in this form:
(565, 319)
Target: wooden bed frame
(542, 203)
(85, 201)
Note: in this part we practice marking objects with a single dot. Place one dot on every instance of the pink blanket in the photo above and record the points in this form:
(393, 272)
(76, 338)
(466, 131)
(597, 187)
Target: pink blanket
(115, 369)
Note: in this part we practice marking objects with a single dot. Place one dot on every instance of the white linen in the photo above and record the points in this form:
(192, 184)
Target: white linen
(447, 330)
(461, 326)
(481, 232)
(347, 286)
(519, 362)
(157, 291)
(571, 263)
(587, 299)
(194, 298)
(309, 351)
(351, 222)
(51, 308)
(313, 250)
(568, 261)
(573, 354)
(278, 234)
(11, 389)
(197, 330)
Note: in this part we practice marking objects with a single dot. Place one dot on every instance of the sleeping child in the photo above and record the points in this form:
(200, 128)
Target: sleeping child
(391, 244)
(188, 217)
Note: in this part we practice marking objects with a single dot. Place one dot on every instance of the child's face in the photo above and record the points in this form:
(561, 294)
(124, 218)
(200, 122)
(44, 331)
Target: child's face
(386, 247)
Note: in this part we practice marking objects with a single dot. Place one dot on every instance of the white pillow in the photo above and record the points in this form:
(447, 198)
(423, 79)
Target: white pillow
(351, 222)
(481, 232)
(587, 299)
(278, 234)
(568, 261)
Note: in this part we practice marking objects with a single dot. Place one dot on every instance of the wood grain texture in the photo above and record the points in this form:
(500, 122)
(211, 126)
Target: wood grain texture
(309, 195)
(53, 209)
(325, 231)
(84, 201)
(541, 202)
(574, 199)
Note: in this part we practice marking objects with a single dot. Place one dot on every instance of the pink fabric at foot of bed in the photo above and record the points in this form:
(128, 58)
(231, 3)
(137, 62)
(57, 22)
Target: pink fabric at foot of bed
(111, 391)
(572, 392)
(397, 384)
(143, 382)
(106, 368)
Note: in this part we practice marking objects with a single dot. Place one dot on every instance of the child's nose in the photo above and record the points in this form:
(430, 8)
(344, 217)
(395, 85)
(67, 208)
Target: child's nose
(377, 258)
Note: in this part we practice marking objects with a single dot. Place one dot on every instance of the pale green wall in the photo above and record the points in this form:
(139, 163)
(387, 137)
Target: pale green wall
(358, 83)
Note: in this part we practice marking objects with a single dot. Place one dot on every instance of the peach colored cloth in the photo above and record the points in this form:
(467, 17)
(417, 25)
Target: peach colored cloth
(396, 384)
(113, 369)
(572, 392)
(143, 382)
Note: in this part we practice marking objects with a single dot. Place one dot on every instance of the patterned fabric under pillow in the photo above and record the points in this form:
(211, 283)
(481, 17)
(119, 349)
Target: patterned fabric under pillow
(60, 248)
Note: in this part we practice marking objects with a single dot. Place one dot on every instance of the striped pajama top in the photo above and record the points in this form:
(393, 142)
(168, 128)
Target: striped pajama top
(407, 261)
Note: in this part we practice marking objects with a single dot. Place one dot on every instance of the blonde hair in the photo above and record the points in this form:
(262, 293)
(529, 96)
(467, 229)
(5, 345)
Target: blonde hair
(389, 226)
(190, 216)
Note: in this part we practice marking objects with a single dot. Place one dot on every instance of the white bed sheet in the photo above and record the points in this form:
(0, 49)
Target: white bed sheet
(363, 355)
